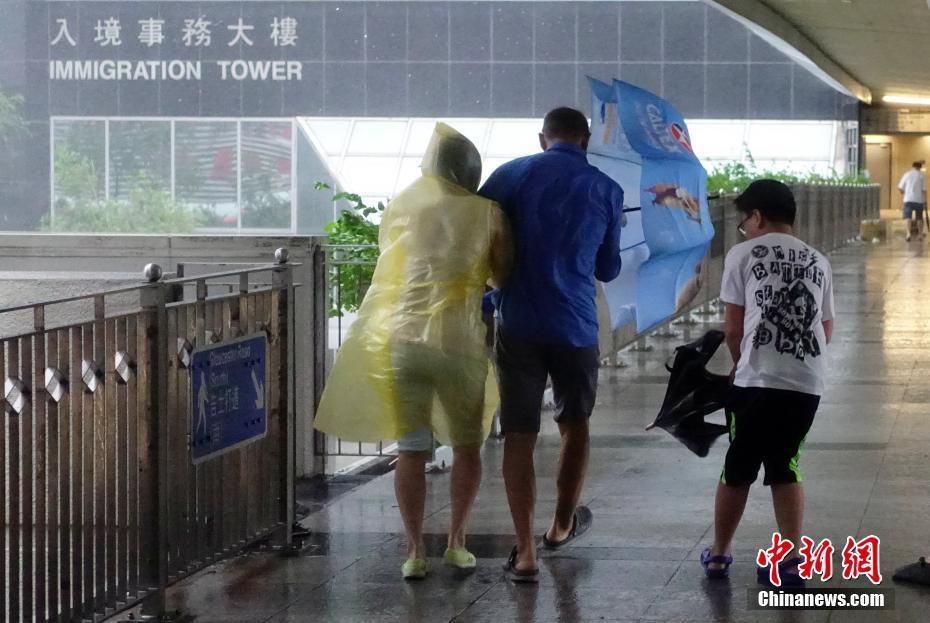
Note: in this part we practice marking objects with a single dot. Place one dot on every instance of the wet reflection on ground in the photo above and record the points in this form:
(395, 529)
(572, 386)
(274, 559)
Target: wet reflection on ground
(865, 466)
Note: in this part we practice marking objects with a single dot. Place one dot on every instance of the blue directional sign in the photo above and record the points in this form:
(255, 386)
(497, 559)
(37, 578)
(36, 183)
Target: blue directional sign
(228, 396)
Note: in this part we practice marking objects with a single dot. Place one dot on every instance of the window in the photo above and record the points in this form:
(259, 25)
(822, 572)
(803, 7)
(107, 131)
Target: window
(266, 174)
(378, 137)
(797, 146)
(508, 137)
(785, 140)
(79, 163)
(206, 170)
(852, 148)
(220, 175)
(377, 158)
(139, 157)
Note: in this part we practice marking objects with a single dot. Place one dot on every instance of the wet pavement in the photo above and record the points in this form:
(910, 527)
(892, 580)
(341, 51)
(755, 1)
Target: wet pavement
(867, 468)
(25, 288)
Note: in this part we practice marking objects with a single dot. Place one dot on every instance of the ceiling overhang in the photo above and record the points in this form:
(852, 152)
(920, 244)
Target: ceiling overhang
(782, 34)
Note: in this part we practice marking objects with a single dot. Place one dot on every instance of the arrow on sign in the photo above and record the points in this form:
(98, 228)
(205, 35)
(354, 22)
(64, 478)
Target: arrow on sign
(259, 392)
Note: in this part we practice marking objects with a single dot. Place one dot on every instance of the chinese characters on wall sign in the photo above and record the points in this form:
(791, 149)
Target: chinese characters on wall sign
(195, 32)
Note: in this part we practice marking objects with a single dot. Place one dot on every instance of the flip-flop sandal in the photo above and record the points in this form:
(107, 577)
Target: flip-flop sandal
(789, 579)
(917, 573)
(523, 576)
(581, 521)
(716, 574)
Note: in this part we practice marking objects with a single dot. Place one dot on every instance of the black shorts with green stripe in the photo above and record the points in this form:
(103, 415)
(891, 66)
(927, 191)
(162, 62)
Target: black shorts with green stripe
(767, 427)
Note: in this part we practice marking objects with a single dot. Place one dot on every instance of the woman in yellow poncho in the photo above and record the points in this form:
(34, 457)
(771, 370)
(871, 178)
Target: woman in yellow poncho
(415, 362)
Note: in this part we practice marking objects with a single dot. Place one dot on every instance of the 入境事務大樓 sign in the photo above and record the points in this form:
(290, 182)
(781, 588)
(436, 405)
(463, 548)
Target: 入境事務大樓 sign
(106, 38)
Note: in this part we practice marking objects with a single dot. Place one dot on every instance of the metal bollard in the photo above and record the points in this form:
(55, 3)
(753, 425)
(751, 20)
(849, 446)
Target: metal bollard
(665, 331)
(641, 346)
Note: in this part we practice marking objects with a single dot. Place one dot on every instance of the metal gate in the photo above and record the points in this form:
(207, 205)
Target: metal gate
(102, 506)
(346, 272)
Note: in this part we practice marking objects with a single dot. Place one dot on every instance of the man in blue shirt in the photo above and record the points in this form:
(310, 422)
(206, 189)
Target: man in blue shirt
(566, 217)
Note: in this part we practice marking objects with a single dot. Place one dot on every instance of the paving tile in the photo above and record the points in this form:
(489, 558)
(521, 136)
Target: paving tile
(866, 466)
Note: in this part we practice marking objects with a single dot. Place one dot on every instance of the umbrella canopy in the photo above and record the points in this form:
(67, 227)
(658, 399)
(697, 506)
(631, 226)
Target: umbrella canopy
(692, 394)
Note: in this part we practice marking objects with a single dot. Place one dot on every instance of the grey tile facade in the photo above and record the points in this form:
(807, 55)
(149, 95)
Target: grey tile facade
(641, 31)
(673, 48)
(424, 58)
(598, 31)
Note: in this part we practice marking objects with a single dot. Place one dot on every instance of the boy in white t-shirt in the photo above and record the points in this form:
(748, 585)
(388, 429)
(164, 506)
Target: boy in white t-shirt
(778, 293)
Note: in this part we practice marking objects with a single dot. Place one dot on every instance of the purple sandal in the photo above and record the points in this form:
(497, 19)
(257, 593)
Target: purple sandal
(716, 574)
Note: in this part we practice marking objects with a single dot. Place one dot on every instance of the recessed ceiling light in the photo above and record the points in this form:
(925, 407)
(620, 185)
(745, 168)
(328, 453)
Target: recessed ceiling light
(915, 100)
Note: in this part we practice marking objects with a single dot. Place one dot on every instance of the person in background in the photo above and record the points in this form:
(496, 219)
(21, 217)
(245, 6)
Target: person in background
(913, 188)
(415, 363)
(778, 292)
(566, 217)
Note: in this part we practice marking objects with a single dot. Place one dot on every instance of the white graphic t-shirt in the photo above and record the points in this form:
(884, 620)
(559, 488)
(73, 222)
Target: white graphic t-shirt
(786, 288)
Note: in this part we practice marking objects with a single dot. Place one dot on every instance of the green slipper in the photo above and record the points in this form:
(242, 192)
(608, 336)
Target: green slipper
(460, 558)
(415, 569)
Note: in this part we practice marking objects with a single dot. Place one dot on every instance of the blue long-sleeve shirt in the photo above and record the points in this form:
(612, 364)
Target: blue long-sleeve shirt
(566, 217)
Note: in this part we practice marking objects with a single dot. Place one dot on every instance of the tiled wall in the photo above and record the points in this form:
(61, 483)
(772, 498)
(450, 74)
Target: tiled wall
(430, 59)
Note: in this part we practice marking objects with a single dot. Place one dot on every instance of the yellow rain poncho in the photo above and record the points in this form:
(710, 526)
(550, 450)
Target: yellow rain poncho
(416, 356)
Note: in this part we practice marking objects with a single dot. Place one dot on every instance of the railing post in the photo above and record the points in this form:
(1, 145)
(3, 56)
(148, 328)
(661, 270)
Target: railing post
(838, 197)
(815, 197)
(731, 235)
(282, 282)
(153, 449)
(840, 192)
(320, 340)
(805, 216)
(860, 207)
(855, 192)
(805, 198)
(852, 209)
(865, 195)
(829, 225)
(847, 213)
(857, 212)
(821, 201)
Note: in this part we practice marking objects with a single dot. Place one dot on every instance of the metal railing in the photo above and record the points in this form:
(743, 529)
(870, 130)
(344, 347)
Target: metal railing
(102, 505)
(348, 270)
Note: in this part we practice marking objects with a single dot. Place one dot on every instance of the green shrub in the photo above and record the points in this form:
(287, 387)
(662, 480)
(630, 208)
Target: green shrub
(11, 120)
(353, 264)
(79, 207)
(262, 206)
(732, 177)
